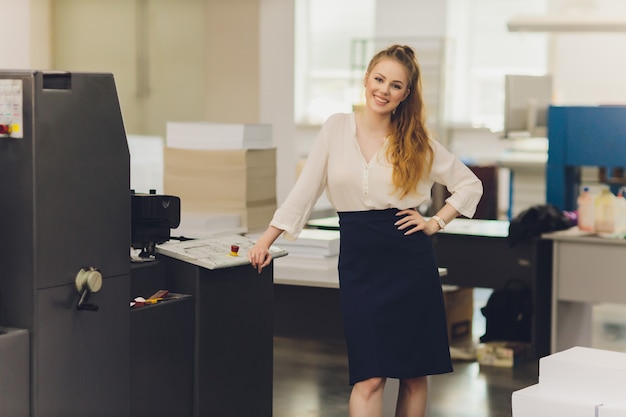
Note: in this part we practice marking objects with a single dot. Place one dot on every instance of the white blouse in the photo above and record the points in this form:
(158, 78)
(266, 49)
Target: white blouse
(336, 164)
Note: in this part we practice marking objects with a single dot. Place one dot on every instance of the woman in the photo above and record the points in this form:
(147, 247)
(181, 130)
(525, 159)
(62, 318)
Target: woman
(377, 165)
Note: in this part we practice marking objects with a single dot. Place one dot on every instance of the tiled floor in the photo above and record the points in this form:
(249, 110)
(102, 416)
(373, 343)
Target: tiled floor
(310, 380)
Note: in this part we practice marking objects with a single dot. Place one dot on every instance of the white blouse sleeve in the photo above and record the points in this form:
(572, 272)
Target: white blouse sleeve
(293, 214)
(464, 186)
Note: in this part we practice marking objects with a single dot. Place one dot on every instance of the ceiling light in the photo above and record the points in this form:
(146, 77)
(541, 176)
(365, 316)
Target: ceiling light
(566, 23)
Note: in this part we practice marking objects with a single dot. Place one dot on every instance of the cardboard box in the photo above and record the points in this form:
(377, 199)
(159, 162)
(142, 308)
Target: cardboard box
(460, 313)
(502, 354)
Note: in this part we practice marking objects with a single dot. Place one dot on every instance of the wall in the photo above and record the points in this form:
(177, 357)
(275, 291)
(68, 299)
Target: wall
(276, 80)
(407, 18)
(40, 29)
(583, 63)
(589, 68)
(100, 47)
(16, 53)
(232, 60)
(25, 34)
(159, 68)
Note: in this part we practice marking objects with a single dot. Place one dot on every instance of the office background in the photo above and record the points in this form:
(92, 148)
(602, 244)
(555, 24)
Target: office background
(233, 61)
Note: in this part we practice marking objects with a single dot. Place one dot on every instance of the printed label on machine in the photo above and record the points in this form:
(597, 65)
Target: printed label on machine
(11, 109)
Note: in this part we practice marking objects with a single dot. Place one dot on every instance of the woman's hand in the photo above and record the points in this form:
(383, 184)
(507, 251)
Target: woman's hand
(412, 221)
(259, 257)
(259, 254)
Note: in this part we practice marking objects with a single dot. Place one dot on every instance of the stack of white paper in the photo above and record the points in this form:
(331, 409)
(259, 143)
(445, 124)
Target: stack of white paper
(312, 243)
(199, 225)
(241, 182)
(312, 260)
(577, 382)
(312, 272)
(539, 401)
(218, 168)
(593, 371)
(611, 410)
(213, 136)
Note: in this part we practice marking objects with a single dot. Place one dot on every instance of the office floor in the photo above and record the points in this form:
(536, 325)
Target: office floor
(310, 380)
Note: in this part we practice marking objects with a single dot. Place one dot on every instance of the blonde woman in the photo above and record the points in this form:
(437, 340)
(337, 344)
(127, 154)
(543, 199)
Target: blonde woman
(377, 165)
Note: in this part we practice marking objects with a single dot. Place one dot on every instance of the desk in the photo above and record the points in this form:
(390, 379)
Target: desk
(586, 270)
(476, 253)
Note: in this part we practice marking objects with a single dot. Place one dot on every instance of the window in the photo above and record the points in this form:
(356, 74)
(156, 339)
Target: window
(325, 30)
(485, 51)
(482, 53)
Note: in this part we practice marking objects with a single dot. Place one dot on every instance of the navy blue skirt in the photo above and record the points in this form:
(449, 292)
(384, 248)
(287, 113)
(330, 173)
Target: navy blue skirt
(391, 299)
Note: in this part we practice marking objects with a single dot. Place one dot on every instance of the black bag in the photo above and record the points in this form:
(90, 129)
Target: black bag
(508, 313)
(536, 220)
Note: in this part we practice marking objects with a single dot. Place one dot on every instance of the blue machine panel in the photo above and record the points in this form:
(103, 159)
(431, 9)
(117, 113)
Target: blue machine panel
(581, 136)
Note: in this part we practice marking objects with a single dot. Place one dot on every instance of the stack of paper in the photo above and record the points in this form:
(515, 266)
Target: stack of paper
(312, 272)
(312, 259)
(213, 136)
(312, 243)
(200, 225)
(577, 382)
(221, 168)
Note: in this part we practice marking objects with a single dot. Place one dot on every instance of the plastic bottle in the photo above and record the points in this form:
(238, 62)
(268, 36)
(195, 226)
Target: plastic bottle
(604, 212)
(585, 211)
(620, 212)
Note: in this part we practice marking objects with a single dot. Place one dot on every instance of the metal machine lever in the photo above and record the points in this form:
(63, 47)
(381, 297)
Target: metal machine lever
(88, 280)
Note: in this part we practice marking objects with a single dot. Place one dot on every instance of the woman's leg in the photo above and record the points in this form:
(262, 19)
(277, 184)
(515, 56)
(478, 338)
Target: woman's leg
(412, 396)
(366, 399)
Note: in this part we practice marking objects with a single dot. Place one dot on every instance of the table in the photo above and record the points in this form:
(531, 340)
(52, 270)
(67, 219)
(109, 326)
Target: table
(587, 269)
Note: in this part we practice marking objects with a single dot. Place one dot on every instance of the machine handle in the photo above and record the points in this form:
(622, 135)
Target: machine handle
(88, 280)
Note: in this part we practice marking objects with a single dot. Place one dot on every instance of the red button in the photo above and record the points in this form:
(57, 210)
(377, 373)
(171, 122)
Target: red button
(5, 129)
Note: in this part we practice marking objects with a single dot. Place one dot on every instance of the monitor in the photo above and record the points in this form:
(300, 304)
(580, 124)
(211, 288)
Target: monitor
(526, 102)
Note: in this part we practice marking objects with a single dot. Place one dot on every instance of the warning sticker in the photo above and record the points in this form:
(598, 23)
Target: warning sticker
(11, 109)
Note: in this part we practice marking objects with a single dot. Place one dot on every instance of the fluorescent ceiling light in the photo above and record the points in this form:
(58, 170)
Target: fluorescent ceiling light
(566, 23)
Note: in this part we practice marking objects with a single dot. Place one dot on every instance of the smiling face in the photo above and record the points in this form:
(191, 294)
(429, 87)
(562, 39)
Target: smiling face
(386, 86)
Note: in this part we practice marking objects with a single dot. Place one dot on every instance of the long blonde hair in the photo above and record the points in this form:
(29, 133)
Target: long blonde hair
(409, 149)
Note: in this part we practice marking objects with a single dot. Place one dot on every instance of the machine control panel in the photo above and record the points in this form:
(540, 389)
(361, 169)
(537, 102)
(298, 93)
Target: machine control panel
(11, 109)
